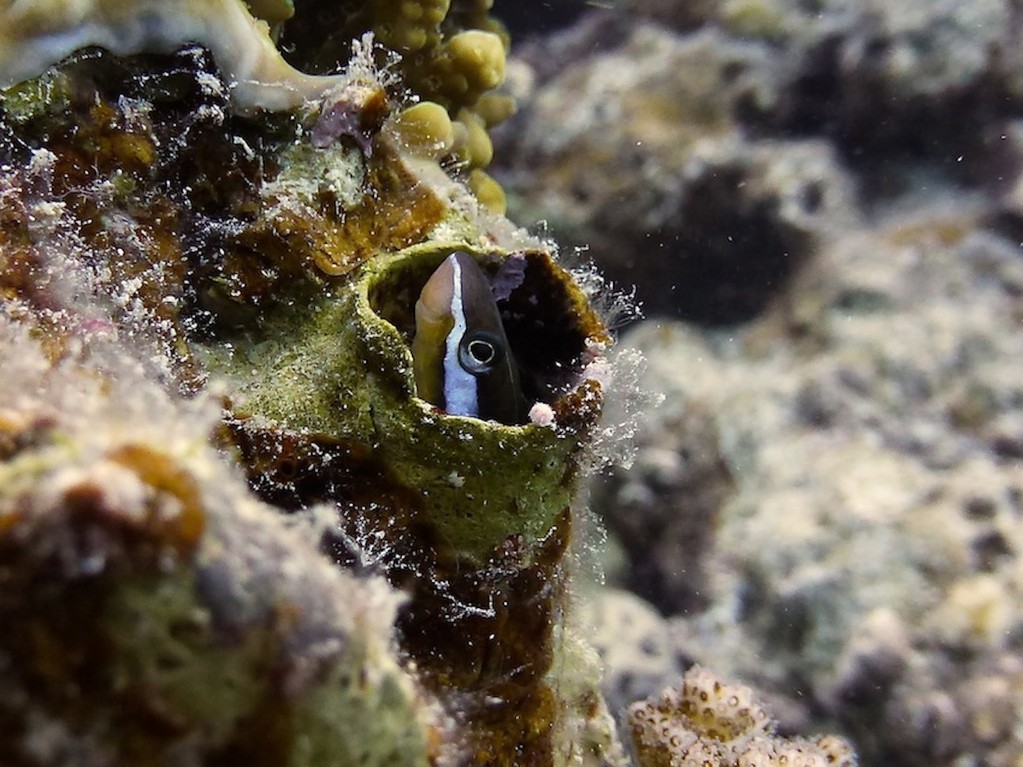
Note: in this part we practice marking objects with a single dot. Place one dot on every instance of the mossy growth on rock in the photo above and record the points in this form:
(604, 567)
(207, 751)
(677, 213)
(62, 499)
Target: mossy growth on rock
(212, 217)
(154, 611)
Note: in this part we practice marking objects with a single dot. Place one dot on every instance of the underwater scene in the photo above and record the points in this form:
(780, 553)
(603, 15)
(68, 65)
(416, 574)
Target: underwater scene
(565, 383)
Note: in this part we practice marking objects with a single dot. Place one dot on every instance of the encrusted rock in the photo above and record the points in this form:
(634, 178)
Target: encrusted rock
(709, 722)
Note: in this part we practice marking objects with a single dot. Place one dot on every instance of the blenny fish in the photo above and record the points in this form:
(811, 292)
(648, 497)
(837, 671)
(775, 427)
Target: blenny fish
(462, 361)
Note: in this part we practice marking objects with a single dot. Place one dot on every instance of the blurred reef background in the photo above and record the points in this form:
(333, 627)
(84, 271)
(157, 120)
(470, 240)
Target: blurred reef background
(819, 204)
(232, 532)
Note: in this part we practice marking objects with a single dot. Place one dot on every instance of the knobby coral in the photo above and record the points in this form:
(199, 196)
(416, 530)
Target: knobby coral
(710, 722)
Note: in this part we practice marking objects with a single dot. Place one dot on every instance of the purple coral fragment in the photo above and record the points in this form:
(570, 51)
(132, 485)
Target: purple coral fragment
(342, 118)
(510, 275)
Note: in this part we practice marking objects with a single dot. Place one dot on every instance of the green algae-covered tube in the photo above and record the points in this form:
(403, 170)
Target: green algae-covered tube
(468, 515)
(347, 373)
(481, 480)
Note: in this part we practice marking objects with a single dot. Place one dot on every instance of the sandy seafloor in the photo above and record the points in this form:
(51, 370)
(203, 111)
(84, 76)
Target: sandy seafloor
(820, 204)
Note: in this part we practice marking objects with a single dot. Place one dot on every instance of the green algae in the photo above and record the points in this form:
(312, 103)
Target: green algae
(36, 99)
(165, 648)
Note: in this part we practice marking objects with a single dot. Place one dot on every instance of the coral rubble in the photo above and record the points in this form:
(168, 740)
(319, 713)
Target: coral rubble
(871, 533)
(655, 174)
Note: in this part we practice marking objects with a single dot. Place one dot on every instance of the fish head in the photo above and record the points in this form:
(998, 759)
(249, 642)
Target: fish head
(462, 361)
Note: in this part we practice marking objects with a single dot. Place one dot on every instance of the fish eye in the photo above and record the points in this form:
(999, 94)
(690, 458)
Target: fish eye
(480, 352)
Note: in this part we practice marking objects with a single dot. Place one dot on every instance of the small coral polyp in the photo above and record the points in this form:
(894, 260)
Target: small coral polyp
(711, 722)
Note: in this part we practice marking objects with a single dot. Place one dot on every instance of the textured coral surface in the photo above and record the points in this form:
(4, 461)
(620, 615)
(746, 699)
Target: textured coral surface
(154, 610)
(707, 721)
